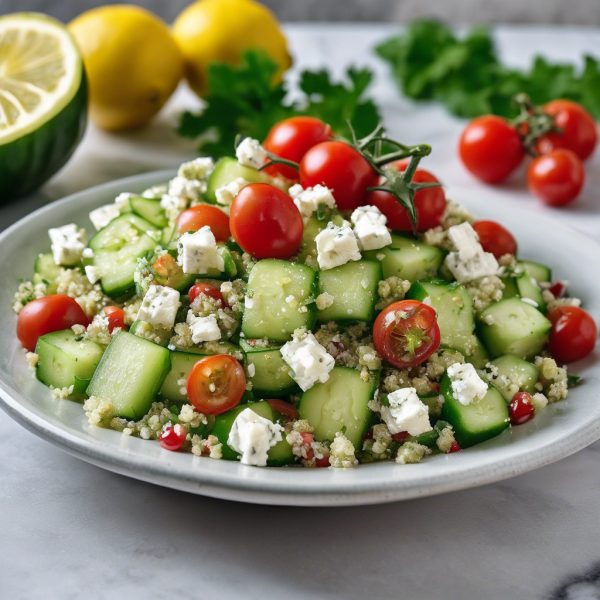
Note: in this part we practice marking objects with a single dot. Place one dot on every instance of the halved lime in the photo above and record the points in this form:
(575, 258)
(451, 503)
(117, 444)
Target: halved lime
(43, 99)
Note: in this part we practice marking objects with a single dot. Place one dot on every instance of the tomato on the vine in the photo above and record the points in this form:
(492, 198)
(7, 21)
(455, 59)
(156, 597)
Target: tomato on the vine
(207, 290)
(198, 216)
(406, 333)
(495, 238)
(115, 316)
(573, 334)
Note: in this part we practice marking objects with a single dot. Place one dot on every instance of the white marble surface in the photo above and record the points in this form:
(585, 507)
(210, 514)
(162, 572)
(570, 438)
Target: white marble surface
(71, 530)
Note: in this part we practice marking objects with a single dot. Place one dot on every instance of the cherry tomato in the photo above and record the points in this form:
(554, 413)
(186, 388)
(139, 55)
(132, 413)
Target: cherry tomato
(491, 148)
(321, 463)
(430, 203)
(341, 168)
(292, 139)
(168, 272)
(406, 333)
(556, 178)
(116, 317)
(46, 315)
(573, 334)
(579, 132)
(200, 215)
(520, 408)
(454, 447)
(495, 239)
(285, 408)
(216, 384)
(265, 222)
(172, 438)
(400, 437)
(207, 290)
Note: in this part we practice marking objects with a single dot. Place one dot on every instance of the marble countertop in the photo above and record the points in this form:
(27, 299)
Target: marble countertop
(71, 530)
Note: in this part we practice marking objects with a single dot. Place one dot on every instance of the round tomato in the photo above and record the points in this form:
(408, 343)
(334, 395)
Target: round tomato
(48, 314)
(201, 215)
(285, 408)
(172, 438)
(556, 178)
(578, 127)
(341, 168)
(521, 408)
(491, 148)
(265, 222)
(573, 334)
(406, 333)
(292, 139)
(216, 384)
(495, 239)
(430, 203)
(116, 317)
(207, 290)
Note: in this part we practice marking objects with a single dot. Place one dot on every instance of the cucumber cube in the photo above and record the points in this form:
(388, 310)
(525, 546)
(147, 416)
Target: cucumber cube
(270, 374)
(181, 365)
(512, 371)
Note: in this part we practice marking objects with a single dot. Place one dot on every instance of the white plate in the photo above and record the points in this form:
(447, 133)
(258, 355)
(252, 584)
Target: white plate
(559, 431)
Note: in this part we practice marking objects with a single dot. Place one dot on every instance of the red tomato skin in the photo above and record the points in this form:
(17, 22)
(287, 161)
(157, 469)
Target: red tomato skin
(116, 317)
(520, 408)
(341, 168)
(292, 139)
(285, 408)
(172, 438)
(490, 148)
(46, 315)
(556, 178)
(573, 334)
(495, 238)
(265, 222)
(207, 290)
(198, 216)
(454, 447)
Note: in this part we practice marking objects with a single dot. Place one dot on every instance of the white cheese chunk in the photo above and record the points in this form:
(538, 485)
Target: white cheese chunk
(190, 189)
(198, 252)
(336, 246)
(226, 195)
(160, 306)
(203, 329)
(67, 243)
(252, 303)
(101, 217)
(173, 205)
(252, 436)
(199, 168)
(466, 384)
(92, 273)
(406, 412)
(309, 199)
(295, 190)
(87, 253)
(250, 153)
(308, 360)
(370, 229)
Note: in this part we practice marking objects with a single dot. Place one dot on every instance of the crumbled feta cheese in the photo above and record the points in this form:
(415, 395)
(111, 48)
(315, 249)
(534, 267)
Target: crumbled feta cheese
(539, 401)
(68, 244)
(252, 436)
(253, 303)
(370, 229)
(406, 412)
(250, 153)
(203, 329)
(308, 360)
(122, 201)
(173, 206)
(295, 190)
(469, 261)
(199, 168)
(226, 195)
(93, 274)
(466, 384)
(309, 199)
(101, 217)
(198, 252)
(160, 306)
(87, 253)
(336, 246)
(188, 189)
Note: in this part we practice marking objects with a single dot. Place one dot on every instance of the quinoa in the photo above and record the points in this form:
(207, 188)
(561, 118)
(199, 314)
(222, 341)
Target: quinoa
(553, 302)
(411, 452)
(391, 290)
(131, 308)
(445, 439)
(437, 238)
(98, 410)
(455, 214)
(73, 283)
(324, 301)
(62, 393)
(342, 452)
(555, 381)
(233, 294)
(32, 358)
(485, 290)
(97, 330)
(28, 292)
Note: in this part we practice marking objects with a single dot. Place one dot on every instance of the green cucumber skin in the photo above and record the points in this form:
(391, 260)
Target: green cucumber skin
(28, 162)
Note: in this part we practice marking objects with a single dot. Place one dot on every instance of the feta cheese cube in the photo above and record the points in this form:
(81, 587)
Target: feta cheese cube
(336, 246)
(252, 436)
(469, 261)
(250, 153)
(87, 253)
(253, 303)
(93, 274)
(295, 190)
(67, 243)
(198, 252)
(406, 412)
(122, 201)
(204, 329)
(160, 306)
(466, 384)
(190, 189)
(309, 199)
(199, 168)
(308, 360)
(101, 217)
(370, 229)
(226, 195)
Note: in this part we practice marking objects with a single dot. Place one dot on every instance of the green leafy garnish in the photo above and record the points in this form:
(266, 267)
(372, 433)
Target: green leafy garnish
(574, 380)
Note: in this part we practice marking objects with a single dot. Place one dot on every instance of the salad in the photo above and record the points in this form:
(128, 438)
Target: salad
(311, 301)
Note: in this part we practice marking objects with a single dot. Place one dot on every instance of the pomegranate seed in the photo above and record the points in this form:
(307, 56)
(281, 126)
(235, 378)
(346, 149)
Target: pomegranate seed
(558, 289)
(321, 463)
(454, 447)
(368, 435)
(400, 437)
(172, 438)
(520, 408)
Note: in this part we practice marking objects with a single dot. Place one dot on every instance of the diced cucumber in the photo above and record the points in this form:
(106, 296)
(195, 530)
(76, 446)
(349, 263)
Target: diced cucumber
(408, 259)
(123, 230)
(272, 282)
(130, 375)
(513, 327)
(227, 170)
(354, 290)
(149, 209)
(67, 360)
(181, 365)
(168, 233)
(528, 288)
(475, 422)
(229, 268)
(514, 370)
(510, 287)
(271, 377)
(340, 404)
(46, 271)
(540, 272)
(221, 347)
(308, 246)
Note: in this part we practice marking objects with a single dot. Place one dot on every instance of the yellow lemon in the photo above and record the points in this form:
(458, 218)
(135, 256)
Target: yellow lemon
(210, 31)
(132, 63)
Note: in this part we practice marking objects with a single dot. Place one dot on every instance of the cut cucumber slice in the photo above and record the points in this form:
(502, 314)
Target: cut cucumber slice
(46, 271)
(123, 230)
(271, 378)
(181, 365)
(149, 209)
(227, 170)
(510, 287)
(540, 272)
(513, 370)
(528, 288)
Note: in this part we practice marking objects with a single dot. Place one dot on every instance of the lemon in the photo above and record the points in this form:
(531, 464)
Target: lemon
(42, 100)
(132, 62)
(221, 30)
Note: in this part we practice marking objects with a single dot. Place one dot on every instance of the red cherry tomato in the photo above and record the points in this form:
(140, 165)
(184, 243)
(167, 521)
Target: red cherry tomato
(200, 215)
(321, 463)
(172, 438)
(116, 317)
(495, 239)
(406, 333)
(265, 222)
(491, 148)
(429, 203)
(579, 132)
(216, 384)
(340, 167)
(285, 408)
(207, 290)
(454, 447)
(520, 408)
(573, 334)
(168, 272)
(46, 315)
(292, 139)
(556, 178)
